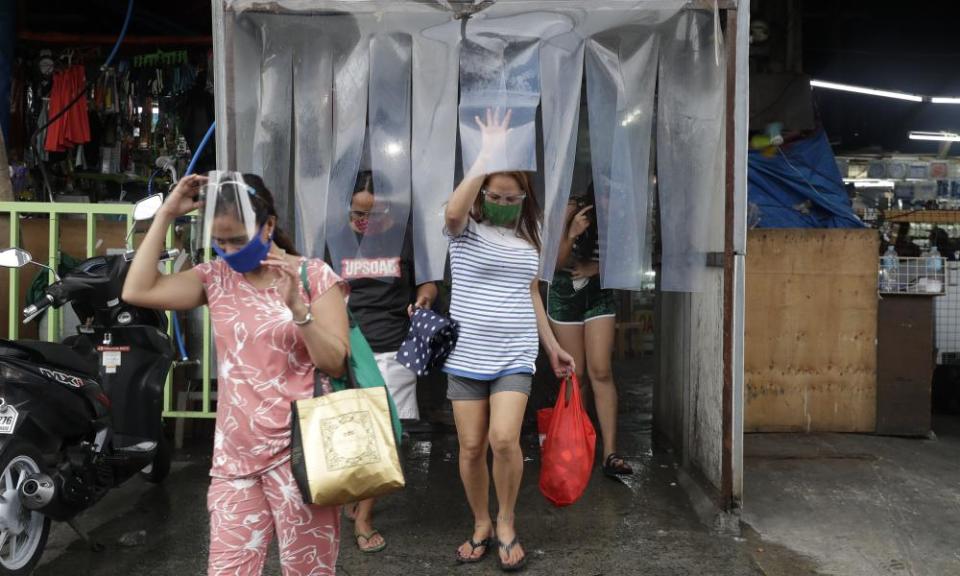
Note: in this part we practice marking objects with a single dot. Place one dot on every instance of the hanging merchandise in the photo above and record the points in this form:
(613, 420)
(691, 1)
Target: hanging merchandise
(73, 127)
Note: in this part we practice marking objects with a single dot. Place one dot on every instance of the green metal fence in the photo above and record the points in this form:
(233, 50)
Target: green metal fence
(91, 212)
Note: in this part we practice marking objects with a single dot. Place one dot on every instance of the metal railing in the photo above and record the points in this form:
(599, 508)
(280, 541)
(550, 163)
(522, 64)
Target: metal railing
(91, 212)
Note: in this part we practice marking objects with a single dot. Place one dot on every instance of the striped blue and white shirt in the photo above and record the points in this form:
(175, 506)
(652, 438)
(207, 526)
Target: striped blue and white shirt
(492, 269)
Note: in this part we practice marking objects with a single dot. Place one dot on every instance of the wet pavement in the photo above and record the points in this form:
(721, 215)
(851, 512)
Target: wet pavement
(644, 525)
(856, 504)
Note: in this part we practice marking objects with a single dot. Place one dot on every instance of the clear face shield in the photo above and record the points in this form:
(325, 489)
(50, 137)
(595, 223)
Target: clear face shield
(229, 222)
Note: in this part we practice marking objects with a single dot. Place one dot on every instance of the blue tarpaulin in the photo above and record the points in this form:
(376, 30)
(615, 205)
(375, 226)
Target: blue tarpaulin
(799, 186)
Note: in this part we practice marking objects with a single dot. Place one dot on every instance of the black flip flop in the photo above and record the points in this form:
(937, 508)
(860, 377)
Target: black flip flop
(473, 548)
(615, 465)
(519, 564)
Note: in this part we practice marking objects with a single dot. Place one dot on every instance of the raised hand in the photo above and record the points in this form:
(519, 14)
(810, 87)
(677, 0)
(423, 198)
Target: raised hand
(494, 131)
(185, 196)
(584, 270)
(288, 282)
(579, 223)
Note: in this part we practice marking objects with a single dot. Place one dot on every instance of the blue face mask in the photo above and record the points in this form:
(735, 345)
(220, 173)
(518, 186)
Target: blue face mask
(248, 258)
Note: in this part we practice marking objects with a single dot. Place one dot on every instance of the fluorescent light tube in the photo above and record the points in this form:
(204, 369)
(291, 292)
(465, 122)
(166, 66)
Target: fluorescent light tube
(862, 90)
(935, 136)
(869, 183)
(945, 100)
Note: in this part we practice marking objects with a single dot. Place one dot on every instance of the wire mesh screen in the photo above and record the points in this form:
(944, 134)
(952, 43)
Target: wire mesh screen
(901, 275)
(947, 317)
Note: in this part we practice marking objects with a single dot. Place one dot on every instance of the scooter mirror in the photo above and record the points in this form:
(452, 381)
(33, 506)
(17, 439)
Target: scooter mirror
(15, 258)
(148, 207)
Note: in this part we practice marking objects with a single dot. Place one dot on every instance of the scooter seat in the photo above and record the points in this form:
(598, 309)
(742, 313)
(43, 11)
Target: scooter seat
(64, 356)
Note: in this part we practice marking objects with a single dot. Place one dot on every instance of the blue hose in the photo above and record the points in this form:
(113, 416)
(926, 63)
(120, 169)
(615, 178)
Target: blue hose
(193, 162)
(203, 144)
(178, 335)
(123, 33)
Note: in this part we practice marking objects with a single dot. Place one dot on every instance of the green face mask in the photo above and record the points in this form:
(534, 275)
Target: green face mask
(500, 215)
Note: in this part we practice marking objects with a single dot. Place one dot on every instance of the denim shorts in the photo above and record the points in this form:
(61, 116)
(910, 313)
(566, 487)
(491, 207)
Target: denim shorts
(461, 388)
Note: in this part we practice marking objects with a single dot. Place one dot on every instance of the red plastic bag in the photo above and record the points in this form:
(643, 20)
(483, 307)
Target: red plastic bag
(544, 416)
(568, 449)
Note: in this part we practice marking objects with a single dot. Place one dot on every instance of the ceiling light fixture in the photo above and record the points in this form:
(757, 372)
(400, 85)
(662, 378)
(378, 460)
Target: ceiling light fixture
(870, 182)
(935, 136)
(863, 90)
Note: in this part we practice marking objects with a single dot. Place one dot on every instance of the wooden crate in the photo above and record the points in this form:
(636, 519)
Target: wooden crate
(811, 329)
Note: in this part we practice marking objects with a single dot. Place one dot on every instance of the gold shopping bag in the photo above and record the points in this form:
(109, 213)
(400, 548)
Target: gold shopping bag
(343, 447)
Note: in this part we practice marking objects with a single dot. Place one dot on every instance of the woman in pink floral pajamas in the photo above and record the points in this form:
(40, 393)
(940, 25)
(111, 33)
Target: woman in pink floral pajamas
(269, 337)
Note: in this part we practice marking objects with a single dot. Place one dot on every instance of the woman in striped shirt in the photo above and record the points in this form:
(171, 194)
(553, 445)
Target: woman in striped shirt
(493, 222)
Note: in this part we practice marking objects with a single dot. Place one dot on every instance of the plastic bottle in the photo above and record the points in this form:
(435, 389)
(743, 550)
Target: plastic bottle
(934, 263)
(889, 268)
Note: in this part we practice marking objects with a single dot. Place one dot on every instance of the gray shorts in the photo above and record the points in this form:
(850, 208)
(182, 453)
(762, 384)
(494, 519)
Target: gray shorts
(460, 388)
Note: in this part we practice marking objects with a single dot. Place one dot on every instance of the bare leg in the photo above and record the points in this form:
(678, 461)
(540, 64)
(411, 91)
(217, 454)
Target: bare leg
(506, 418)
(599, 335)
(472, 417)
(363, 525)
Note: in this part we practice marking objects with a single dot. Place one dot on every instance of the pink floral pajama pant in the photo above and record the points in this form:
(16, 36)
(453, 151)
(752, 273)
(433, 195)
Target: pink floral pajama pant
(245, 513)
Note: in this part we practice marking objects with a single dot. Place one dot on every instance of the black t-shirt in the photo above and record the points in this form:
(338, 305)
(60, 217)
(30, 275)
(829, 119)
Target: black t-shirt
(380, 307)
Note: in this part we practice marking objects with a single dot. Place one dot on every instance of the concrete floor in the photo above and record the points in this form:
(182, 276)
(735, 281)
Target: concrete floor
(643, 526)
(858, 505)
(843, 505)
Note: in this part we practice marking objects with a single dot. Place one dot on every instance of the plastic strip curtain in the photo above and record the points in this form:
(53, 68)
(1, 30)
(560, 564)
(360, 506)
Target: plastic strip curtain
(313, 155)
(351, 82)
(499, 70)
(436, 65)
(532, 53)
(286, 103)
(621, 80)
(690, 145)
(389, 118)
(273, 128)
(561, 75)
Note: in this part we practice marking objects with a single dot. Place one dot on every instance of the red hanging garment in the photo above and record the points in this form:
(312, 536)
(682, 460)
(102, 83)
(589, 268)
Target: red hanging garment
(52, 142)
(568, 449)
(73, 128)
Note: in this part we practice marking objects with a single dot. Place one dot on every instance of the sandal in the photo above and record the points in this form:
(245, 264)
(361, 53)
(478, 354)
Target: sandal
(507, 548)
(473, 548)
(615, 466)
(366, 537)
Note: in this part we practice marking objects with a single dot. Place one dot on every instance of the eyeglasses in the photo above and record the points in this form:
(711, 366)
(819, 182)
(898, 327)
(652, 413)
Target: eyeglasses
(375, 213)
(508, 199)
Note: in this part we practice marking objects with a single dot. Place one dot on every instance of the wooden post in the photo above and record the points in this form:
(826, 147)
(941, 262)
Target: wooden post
(726, 461)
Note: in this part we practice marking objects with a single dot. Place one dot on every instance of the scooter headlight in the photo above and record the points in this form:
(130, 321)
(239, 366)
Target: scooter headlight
(12, 374)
